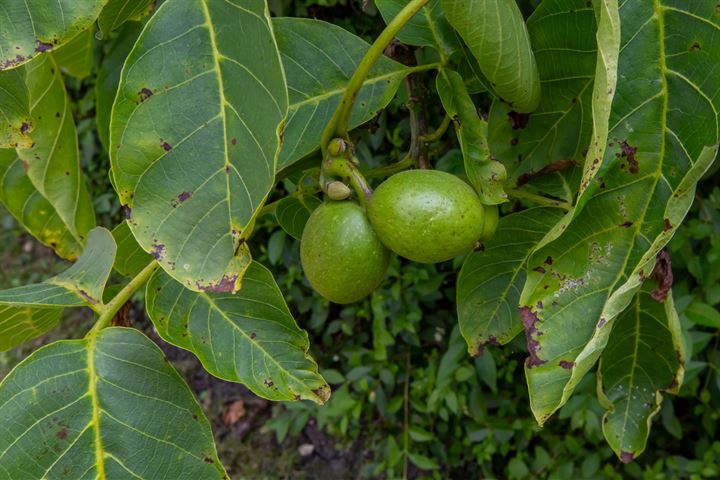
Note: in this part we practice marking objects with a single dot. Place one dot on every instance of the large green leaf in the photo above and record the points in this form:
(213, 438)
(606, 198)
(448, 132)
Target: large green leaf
(81, 284)
(117, 12)
(108, 77)
(130, 258)
(662, 136)
(485, 173)
(562, 33)
(248, 337)
(31, 27)
(194, 136)
(29, 311)
(495, 33)
(53, 162)
(293, 213)
(31, 209)
(489, 284)
(19, 324)
(107, 406)
(15, 120)
(319, 58)
(643, 358)
(427, 28)
(76, 57)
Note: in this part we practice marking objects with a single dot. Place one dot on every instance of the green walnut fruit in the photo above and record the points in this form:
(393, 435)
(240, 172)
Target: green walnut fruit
(342, 257)
(426, 216)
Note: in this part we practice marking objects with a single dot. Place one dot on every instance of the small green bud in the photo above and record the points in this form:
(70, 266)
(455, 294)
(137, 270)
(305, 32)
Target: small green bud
(337, 191)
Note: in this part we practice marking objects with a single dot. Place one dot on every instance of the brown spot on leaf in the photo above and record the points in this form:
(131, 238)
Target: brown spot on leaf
(627, 152)
(127, 211)
(481, 344)
(663, 275)
(268, 383)
(234, 141)
(566, 364)
(602, 322)
(208, 459)
(24, 127)
(667, 225)
(695, 46)
(62, 433)
(225, 285)
(549, 260)
(626, 457)
(145, 93)
(539, 269)
(529, 320)
(518, 120)
(158, 251)
(626, 224)
(514, 141)
(253, 336)
(166, 146)
(43, 47)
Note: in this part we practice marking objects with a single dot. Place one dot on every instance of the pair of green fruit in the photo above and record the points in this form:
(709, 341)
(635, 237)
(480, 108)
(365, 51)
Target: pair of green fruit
(427, 216)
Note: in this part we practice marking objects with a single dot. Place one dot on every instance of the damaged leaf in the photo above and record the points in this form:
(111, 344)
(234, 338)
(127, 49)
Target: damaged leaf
(489, 284)
(644, 358)
(632, 196)
(198, 111)
(486, 174)
(249, 337)
(30, 28)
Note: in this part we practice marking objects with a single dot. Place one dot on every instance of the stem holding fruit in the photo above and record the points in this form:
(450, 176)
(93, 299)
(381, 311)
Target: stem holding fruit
(338, 124)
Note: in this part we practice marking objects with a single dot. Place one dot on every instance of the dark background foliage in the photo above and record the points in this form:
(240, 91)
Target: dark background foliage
(407, 399)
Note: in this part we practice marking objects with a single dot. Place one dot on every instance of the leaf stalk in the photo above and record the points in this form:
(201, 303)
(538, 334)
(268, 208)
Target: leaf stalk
(338, 124)
(113, 306)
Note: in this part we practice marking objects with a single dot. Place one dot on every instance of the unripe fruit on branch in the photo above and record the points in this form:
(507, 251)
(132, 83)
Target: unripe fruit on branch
(341, 255)
(427, 216)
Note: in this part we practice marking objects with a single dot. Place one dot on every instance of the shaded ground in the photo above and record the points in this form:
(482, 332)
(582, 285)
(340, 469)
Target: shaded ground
(237, 415)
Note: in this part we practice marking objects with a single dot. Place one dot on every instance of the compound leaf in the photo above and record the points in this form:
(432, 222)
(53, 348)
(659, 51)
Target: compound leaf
(495, 33)
(29, 28)
(491, 279)
(485, 173)
(81, 284)
(108, 77)
(29, 311)
(117, 12)
(248, 337)
(308, 47)
(32, 210)
(76, 57)
(15, 123)
(107, 406)
(643, 358)
(292, 214)
(130, 258)
(428, 27)
(563, 39)
(662, 135)
(53, 162)
(194, 136)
